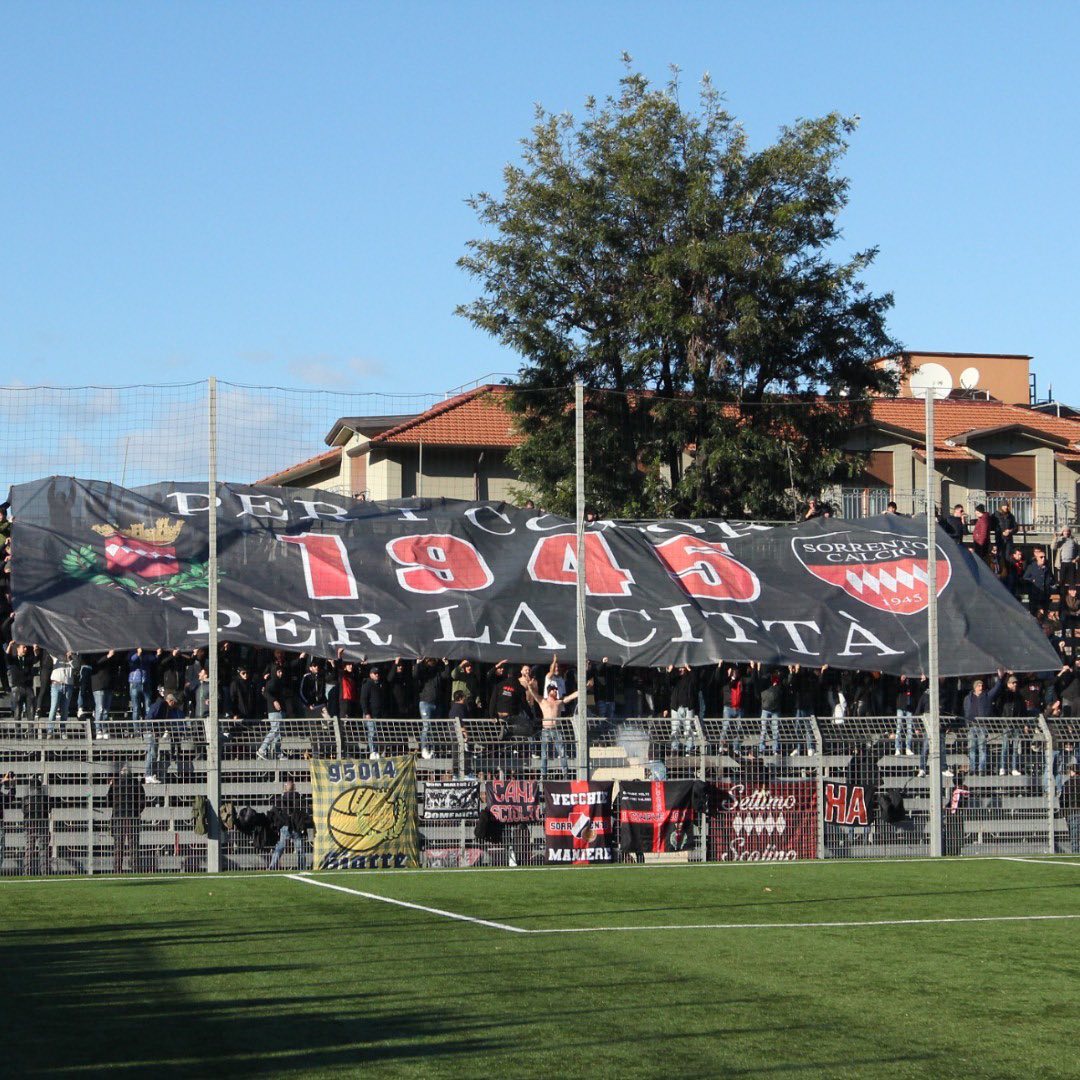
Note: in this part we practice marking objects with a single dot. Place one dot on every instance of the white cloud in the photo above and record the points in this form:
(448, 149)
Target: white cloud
(334, 373)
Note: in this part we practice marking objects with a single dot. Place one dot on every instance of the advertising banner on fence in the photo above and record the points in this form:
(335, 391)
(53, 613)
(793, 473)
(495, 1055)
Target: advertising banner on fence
(514, 802)
(451, 800)
(659, 815)
(365, 814)
(96, 566)
(577, 821)
(764, 822)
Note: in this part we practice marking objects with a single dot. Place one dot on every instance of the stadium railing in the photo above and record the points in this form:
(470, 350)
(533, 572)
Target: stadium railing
(773, 789)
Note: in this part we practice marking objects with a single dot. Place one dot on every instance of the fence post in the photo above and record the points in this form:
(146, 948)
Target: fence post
(90, 778)
(581, 722)
(820, 775)
(932, 723)
(1048, 783)
(213, 731)
(459, 736)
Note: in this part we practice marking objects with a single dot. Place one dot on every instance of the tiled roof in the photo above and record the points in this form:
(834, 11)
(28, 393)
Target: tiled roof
(312, 464)
(945, 453)
(952, 418)
(476, 418)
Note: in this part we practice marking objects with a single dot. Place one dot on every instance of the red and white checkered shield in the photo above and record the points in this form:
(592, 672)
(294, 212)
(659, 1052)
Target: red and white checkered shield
(887, 572)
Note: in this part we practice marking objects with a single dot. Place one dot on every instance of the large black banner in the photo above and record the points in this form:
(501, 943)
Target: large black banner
(98, 566)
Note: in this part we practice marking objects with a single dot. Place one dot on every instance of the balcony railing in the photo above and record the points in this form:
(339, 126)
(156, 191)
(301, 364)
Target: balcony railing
(864, 502)
(1039, 513)
(1034, 513)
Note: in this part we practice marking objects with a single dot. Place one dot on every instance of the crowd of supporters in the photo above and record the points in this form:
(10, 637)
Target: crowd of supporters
(260, 688)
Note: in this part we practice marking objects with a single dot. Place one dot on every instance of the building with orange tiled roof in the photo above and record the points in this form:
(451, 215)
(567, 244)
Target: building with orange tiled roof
(456, 450)
(987, 449)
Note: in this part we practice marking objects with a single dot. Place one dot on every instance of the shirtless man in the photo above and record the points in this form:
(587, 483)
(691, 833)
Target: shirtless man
(550, 706)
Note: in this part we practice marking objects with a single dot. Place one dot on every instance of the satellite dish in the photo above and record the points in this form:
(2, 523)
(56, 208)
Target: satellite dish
(931, 379)
(969, 378)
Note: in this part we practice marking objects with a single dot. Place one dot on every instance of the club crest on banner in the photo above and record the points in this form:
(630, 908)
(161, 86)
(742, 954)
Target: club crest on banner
(888, 574)
(138, 558)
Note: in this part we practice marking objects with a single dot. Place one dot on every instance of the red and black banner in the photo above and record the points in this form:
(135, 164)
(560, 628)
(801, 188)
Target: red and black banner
(96, 566)
(578, 826)
(659, 815)
(514, 802)
(764, 822)
(847, 803)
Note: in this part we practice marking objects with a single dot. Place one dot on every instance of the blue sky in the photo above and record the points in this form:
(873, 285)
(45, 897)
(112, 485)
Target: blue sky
(274, 193)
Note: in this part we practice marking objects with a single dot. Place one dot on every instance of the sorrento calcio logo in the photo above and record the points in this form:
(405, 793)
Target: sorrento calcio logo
(138, 558)
(888, 572)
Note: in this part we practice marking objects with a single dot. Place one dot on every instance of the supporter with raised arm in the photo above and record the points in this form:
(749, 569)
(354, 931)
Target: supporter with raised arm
(467, 679)
(908, 693)
(104, 677)
(22, 668)
(977, 706)
(312, 691)
(140, 679)
(770, 692)
(1010, 706)
(507, 703)
(402, 690)
(682, 703)
(61, 686)
(735, 695)
(799, 697)
(374, 705)
(432, 682)
(276, 692)
(550, 706)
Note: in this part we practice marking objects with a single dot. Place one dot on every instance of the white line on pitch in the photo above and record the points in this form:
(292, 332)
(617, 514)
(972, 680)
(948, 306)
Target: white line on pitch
(1041, 862)
(406, 904)
(806, 925)
(691, 926)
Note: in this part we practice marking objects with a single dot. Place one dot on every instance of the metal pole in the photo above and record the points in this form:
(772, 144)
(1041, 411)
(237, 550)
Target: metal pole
(819, 778)
(933, 721)
(213, 735)
(420, 471)
(1048, 785)
(581, 724)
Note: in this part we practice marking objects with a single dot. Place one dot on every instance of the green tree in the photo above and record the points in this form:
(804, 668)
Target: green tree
(686, 279)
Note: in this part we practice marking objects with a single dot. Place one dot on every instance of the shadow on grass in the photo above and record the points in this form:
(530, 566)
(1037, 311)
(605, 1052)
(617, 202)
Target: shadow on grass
(176, 998)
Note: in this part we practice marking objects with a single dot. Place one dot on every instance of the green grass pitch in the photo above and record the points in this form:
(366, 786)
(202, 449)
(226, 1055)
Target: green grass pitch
(691, 971)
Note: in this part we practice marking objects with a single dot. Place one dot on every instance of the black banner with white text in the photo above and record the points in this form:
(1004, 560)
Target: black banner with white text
(96, 566)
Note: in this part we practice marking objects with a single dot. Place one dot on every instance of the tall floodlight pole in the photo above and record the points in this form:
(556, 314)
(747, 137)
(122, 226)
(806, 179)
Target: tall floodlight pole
(581, 723)
(213, 741)
(933, 720)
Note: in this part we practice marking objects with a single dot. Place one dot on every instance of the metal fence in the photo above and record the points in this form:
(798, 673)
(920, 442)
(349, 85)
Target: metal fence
(775, 788)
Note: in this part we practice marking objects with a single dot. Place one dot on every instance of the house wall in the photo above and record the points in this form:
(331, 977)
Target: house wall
(965, 482)
(1002, 377)
(448, 473)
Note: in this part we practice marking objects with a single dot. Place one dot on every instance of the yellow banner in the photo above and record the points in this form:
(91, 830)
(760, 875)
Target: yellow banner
(365, 814)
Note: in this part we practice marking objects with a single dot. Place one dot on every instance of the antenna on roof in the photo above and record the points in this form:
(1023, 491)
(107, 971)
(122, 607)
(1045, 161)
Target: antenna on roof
(931, 380)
